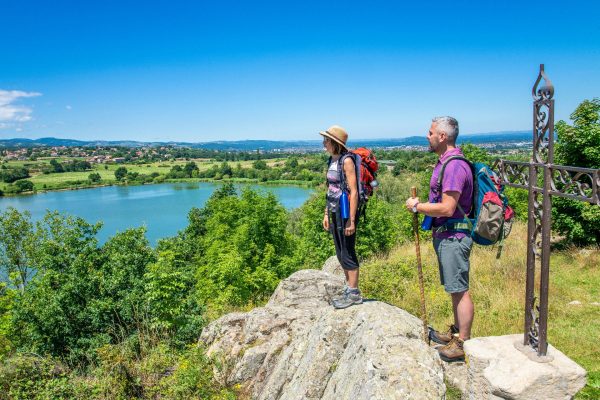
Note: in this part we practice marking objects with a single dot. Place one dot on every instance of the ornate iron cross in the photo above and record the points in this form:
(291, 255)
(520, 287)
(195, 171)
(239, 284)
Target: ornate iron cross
(544, 179)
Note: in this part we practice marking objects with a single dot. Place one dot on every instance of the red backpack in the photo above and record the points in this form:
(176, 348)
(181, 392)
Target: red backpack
(366, 174)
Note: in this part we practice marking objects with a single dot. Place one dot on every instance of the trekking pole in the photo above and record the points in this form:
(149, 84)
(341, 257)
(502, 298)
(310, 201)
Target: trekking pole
(413, 193)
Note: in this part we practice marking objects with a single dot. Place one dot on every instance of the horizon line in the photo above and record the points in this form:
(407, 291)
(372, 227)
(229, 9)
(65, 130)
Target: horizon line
(255, 140)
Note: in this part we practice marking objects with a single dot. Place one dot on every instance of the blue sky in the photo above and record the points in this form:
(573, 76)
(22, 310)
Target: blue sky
(227, 70)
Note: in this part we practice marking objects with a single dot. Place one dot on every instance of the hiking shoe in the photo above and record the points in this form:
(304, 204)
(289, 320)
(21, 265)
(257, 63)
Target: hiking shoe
(351, 297)
(453, 351)
(443, 337)
(340, 296)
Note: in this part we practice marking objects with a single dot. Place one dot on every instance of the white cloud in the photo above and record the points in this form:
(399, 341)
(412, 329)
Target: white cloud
(10, 112)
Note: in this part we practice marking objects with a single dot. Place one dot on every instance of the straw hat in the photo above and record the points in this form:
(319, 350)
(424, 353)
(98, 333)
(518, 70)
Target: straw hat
(337, 134)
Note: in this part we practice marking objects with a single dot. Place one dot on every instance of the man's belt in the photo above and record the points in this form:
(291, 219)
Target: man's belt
(453, 227)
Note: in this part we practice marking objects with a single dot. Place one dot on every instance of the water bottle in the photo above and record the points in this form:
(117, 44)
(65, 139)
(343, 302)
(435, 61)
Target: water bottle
(344, 205)
(374, 183)
(427, 223)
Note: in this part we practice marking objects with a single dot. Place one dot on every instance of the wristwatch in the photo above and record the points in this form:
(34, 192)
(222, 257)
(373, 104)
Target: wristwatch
(414, 209)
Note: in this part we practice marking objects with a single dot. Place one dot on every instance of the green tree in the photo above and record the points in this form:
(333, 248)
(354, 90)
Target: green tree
(120, 173)
(24, 185)
(52, 316)
(292, 163)
(259, 164)
(95, 177)
(475, 154)
(579, 145)
(17, 247)
(191, 169)
(10, 175)
(225, 169)
(244, 249)
(56, 166)
(173, 309)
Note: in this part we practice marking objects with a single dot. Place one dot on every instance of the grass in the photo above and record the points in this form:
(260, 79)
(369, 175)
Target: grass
(72, 180)
(498, 290)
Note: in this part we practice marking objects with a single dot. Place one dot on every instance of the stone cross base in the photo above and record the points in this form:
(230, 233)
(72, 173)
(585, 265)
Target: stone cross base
(498, 367)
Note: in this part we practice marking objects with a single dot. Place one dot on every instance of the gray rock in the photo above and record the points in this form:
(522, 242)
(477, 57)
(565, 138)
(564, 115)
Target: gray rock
(333, 266)
(498, 370)
(299, 347)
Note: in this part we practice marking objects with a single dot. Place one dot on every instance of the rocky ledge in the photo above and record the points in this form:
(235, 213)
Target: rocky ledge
(299, 347)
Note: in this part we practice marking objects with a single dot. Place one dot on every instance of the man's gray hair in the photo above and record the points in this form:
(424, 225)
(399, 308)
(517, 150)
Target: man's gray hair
(449, 125)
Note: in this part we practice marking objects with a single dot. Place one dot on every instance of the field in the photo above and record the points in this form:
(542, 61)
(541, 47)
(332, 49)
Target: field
(498, 288)
(65, 180)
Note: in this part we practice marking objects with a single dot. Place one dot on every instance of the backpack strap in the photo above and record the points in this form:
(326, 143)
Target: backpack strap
(361, 209)
(439, 190)
(341, 173)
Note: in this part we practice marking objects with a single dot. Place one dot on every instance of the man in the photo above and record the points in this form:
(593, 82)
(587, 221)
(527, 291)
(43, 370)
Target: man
(452, 247)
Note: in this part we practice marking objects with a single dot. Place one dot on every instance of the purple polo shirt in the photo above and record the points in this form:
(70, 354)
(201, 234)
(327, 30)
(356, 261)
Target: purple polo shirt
(457, 178)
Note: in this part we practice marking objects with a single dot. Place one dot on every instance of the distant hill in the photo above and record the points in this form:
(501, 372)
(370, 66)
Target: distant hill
(273, 145)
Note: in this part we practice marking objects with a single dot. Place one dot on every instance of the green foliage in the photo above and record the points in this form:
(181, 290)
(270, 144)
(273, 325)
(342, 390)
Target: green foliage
(17, 247)
(579, 145)
(475, 154)
(375, 234)
(377, 231)
(82, 296)
(24, 186)
(518, 199)
(7, 301)
(314, 244)
(193, 378)
(95, 177)
(51, 316)
(259, 164)
(244, 248)
(10, 175)
(29, 376)
(408, 160)
(190, 170)
(120, 173)
(169, 284)
(56, 166)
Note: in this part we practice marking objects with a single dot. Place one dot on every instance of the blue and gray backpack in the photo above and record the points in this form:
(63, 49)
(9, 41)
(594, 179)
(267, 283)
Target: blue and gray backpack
(490, 219)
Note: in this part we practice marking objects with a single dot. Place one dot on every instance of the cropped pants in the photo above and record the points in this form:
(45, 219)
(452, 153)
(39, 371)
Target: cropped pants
(344, 245)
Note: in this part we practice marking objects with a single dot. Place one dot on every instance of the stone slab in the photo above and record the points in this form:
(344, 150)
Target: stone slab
(497, 369)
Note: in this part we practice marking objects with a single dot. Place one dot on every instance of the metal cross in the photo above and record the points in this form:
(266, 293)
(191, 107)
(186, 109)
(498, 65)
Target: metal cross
(544, 179)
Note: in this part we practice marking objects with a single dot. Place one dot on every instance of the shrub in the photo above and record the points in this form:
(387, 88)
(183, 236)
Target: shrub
(28, 376)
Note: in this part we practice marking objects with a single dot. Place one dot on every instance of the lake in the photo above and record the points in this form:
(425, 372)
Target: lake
(162, 208)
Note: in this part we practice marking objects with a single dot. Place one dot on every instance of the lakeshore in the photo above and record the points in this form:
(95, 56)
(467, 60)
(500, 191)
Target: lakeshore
(161, 208)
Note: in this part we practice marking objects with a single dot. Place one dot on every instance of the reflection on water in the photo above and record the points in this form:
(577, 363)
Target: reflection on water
(162, 209)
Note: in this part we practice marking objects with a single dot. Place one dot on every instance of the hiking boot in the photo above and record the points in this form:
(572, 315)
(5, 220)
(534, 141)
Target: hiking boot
(351, 297)
(453, 351)
(443, 337)
(340, 296)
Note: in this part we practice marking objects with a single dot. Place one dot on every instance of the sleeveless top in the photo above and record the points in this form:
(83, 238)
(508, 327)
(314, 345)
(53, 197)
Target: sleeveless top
(334, 189)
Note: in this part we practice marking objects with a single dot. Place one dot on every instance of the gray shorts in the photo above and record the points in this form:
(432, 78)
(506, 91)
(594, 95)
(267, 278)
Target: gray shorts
(453, 260)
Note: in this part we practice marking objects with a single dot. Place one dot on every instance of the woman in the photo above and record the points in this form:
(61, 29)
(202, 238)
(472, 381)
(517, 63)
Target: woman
(342, 178)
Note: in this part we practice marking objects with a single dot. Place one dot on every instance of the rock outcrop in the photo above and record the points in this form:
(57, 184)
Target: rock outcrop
(299, 347)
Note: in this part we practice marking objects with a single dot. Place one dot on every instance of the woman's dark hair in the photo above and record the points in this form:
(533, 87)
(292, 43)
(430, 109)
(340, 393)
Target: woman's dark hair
(336, 147)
